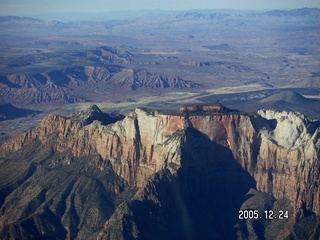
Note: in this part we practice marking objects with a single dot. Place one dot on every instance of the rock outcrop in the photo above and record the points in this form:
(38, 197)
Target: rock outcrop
(66, 85)
(201, 148)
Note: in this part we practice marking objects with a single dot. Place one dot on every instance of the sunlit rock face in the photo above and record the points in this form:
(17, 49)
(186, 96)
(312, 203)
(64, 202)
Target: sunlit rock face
(198, 148)
(289, 156)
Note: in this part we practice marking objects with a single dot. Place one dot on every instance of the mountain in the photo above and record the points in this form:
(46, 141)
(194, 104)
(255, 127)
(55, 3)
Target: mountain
(16, 19)
(108, 68)
(8, 111)
(163, 175)
(73, 84)
(128, 15)
(143, 79)
(311, 81)
(291, 101)
(288, 97)
(31, 27)
(301, 12)
(112, 53)
(93, 113)
(227, 13)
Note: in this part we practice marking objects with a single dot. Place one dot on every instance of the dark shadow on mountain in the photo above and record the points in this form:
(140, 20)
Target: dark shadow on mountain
(259, 123)
(59, 78)
(8, 112)
(308, 226)
(162, 213)
(77, 73)
(73, 201)
(40, 78)
(94, 113)
(6, 82)
(313, 126)
(213, 185)
(200, 201)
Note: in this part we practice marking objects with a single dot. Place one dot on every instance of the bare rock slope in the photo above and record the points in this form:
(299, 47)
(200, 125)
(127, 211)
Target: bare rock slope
(154, 175)
(66, 86)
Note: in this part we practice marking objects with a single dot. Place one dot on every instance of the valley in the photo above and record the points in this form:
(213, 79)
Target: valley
(154, 127)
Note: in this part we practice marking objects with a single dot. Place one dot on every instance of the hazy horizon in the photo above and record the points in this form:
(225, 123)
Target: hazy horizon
(34, 8)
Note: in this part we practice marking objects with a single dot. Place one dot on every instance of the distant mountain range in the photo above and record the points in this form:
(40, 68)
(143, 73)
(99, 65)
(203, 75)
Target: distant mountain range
(302, 12)
(73, 84)
(65, 86)
(184, 167)
(4, 19)
(122, 15)
(213, 14)
(57, 68)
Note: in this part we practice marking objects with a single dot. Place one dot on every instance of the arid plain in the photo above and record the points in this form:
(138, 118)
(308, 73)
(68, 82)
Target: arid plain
(239, 59)
(169, 156)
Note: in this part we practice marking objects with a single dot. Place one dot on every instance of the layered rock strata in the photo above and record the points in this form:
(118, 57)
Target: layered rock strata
(280, 150)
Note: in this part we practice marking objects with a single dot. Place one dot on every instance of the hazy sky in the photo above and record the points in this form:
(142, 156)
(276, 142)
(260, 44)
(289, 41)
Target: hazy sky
(35, 7)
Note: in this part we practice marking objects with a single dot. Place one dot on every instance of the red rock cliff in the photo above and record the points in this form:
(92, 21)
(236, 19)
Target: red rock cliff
(280, 150)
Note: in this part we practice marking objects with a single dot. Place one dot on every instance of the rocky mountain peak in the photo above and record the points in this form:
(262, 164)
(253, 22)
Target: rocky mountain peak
(150, 162)
(94, 109)
(287, 96)
(292, 131)
(93, 113)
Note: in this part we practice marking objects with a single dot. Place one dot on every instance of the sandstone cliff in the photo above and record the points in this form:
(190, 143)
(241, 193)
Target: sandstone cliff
(207, 148)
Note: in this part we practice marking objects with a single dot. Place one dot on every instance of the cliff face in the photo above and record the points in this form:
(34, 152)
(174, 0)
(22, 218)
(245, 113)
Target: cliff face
(138, 146)
(289, 158)
(279, 150)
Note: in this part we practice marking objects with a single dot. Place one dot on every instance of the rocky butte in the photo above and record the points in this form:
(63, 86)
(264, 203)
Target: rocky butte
(162, 175)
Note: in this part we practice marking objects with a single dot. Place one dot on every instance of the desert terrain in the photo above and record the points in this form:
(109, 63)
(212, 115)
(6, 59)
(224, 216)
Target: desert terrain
(161, 61)
(180, 118)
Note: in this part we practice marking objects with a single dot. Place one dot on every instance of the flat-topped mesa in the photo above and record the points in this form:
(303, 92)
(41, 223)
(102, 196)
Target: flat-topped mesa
(280, 150)
(200, 109)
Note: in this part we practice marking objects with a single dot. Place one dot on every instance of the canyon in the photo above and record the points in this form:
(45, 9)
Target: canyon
(207, 126)
(162, 174)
